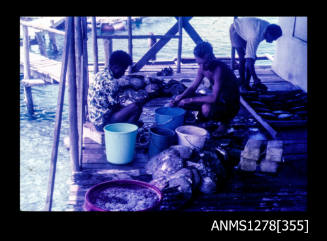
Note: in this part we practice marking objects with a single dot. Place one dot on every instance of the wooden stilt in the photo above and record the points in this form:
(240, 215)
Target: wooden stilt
(95, 45)
(27, 74)
(130, 42)
(73, 134)
(179, 51)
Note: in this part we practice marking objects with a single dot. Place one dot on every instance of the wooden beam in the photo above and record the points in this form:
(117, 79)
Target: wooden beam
(270, 130)
(136, 36)
(40, 27)
(191, 31)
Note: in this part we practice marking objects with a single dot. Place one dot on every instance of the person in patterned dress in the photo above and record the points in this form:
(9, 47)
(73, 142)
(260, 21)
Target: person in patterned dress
(103, 104)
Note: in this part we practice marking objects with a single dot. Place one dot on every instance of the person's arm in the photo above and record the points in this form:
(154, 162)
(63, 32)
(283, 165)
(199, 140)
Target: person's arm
(190, 90)
(212, 98)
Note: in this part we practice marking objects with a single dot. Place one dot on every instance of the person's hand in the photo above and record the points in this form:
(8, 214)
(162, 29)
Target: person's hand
(184, 102)
(175, 101)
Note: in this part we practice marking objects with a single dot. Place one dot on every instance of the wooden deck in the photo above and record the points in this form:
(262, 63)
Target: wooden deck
(284, 191)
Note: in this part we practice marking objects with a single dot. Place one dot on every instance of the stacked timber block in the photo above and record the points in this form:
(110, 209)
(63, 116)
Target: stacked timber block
(251, 156)
(274, 153)
(92, 133)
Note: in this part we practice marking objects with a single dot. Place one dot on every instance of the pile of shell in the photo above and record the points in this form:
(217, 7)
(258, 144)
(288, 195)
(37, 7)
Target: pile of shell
(281, 106)
(180, 171)
(137, 88)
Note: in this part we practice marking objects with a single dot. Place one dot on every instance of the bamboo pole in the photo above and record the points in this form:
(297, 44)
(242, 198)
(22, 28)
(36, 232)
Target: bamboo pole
(95, 45)
(179, 51)
(73, 134)
(130, 42)
(61, 95)
(27, 73)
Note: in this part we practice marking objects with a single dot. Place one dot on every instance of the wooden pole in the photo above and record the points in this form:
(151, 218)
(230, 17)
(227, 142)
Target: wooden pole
(152, 41)
(95, 45)
(78, 53)
(233, 54)
(106, 52)
(41, 42)
(130, 42)
(61, 95)
(85, 67)
(270, 130)
(179, 51)
(52, 39)
(73, 134)
(79, 83)
(27, 73)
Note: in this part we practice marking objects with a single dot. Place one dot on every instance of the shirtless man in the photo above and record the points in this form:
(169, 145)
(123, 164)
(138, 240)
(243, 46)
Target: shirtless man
(224, 102)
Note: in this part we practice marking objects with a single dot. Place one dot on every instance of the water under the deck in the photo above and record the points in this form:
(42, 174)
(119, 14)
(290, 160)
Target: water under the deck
(284, 191)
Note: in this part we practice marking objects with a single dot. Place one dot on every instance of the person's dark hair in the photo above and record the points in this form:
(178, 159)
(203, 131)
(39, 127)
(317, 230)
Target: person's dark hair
(120, 58)
(274, 30)
(202, 49)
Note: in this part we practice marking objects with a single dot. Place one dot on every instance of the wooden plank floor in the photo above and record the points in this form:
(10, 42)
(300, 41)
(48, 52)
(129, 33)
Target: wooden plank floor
(284, 191)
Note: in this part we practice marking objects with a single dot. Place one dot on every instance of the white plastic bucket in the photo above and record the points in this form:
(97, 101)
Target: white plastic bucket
(192, 136)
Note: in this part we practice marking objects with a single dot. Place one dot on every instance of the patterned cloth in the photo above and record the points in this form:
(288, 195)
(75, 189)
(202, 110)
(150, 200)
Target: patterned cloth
(102, 97)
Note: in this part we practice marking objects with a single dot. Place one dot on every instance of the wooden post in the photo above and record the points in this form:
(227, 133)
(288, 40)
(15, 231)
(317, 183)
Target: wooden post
(233, 54)
(52, 40)
(61, 95)
(79, 83)
(27, 74)
(95, 45)
(130, 42)
(107, 44)
(78, 53)
(179, 51)
(152, 41)
(41, 42)
(73, 134)
(85, 67)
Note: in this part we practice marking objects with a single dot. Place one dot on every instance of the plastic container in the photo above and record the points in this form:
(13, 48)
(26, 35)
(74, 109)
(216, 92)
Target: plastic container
(93, 193)
(120, 139)
(160, 139)
(169, 117)
(192, 136)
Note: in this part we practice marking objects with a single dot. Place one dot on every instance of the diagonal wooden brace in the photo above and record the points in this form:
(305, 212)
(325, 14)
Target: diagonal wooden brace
(163, 41)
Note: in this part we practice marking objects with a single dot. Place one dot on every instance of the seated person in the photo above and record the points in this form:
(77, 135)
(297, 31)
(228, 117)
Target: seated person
(224, 102)
(103, 104)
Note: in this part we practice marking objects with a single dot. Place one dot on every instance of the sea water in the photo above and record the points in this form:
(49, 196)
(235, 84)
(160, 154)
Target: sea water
(36, 133)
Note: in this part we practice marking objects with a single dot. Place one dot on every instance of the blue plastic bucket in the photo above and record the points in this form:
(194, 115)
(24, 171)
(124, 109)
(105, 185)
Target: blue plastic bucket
(120, 141)
(169, 117)
(160, 139)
